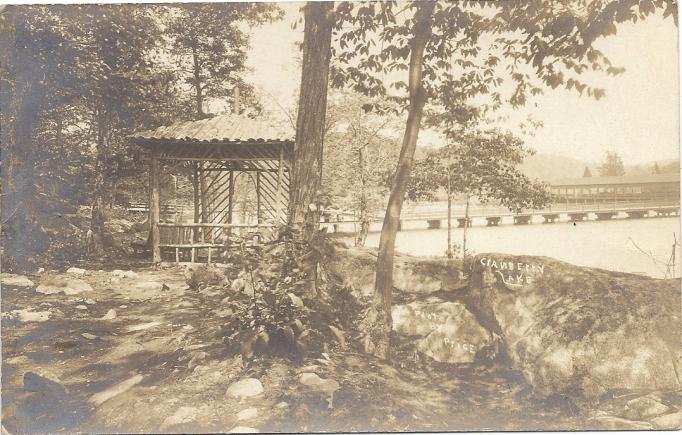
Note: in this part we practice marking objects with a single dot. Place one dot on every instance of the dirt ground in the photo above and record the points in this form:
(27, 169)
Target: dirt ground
(161, 365)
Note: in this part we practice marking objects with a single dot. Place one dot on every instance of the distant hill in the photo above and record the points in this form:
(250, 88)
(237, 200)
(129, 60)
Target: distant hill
(551, 167)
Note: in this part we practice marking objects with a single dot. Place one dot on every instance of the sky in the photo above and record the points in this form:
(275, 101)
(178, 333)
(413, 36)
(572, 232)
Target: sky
(638, 118)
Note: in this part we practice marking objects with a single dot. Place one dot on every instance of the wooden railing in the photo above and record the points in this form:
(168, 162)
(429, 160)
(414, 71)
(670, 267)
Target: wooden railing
(194, 237)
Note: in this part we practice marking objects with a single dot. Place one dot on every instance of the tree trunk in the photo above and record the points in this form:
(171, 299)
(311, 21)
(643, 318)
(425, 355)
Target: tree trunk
(310, 125)
(97, 239)
(361, 237)
(195, 197)
(23, 99)
(466, 226)
(449, 251)
(379, 319)
(198, 91)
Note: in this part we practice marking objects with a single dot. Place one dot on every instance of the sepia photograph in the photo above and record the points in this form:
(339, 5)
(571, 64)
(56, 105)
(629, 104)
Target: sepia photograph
(340, 216)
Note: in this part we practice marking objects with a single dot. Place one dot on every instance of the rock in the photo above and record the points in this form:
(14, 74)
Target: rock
(15, 280)
(26, 316)
(282, 405)
(76, 270)
(602, 331)
(227, 312)
(123, 307)
(644, 407)
(40, 270)
(298, 302)
(103, 396)
(36, 383)
(89, 336)
(184, 414)
(315, 382)
(448, 331)
(248, 387)
(90, 301)
(610, 422)
(668, 421)
(143, 326)
(238, 285)
(68, 286)
(45, 405)
(247, 414)
(339, 336)
(149, 285)
(81, 307)
(421, 318)
(110, 315)
(195, 358)
(76, 286)
(118, 273)
(356, 269)
(243, 429)
(129, 274)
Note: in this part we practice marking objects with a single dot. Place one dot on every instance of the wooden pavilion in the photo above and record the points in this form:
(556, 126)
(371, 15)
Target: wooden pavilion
(214, 152)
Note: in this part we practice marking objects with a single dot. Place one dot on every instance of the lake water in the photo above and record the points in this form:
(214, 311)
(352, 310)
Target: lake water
(604, 244)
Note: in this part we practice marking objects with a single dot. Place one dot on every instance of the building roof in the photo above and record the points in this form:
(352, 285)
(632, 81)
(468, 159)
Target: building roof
(671, 177)
(226, 128)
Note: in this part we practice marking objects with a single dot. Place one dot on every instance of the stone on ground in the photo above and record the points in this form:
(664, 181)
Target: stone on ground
(185, 414)
(15, 280)
(668, 421)
(296, 301)
(26, 316)
(76, 270)
(248, 387)
(149, 285)
(61, 284)
(110, 315)
(315, 382)
(247, 414)
(101, 397)
(644, 408)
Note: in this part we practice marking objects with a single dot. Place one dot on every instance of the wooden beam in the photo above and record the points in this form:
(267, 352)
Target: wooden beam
(230, 206)
(280, 174)
(154, 210)
(258, 198)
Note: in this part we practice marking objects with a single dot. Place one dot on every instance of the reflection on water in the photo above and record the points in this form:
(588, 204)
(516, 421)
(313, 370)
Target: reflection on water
(638, 246)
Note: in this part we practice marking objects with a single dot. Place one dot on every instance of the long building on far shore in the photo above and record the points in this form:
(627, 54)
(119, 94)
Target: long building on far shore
(654, 187)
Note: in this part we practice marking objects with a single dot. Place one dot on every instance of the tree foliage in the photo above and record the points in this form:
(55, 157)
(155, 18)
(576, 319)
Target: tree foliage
(358, 157)
(209, 45)
(483, 164)
(612, 165)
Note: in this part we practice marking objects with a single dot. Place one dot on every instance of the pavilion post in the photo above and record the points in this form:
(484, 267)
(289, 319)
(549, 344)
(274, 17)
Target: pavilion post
(230, 198)
(280, 175)
(197, 203)
(204, 198)
(154, 210)
(258, 198)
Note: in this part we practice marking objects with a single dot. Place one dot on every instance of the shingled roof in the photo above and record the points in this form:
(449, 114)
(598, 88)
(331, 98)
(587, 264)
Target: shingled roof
(225, 128)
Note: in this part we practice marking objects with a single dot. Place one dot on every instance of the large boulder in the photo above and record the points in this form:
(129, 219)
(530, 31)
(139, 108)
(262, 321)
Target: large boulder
(445, 331)
(576, 331)
(356, 268)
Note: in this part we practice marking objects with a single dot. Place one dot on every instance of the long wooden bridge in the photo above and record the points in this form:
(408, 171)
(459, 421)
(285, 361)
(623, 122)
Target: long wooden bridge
(435, 216)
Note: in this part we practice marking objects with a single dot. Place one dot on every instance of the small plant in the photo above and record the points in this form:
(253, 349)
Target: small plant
(205, 276)
(287, 305)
